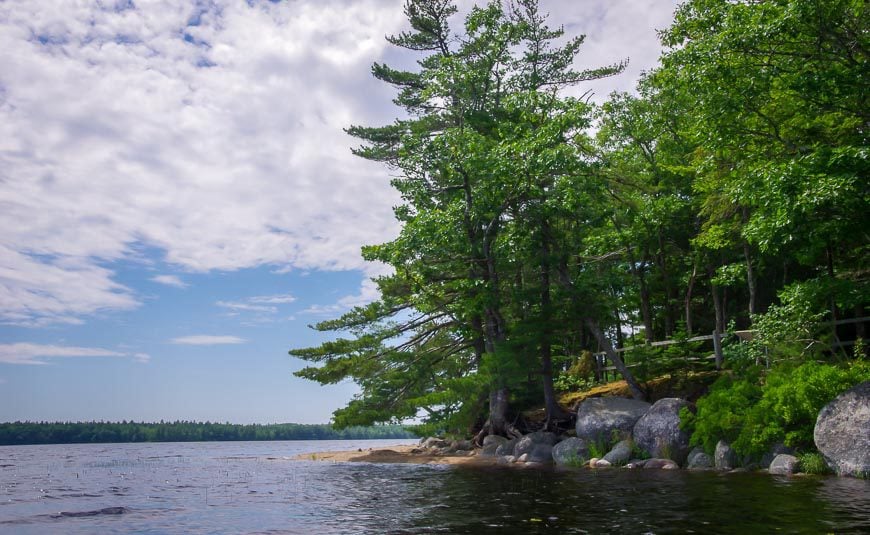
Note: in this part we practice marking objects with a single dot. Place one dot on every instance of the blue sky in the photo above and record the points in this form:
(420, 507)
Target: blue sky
(178, 200)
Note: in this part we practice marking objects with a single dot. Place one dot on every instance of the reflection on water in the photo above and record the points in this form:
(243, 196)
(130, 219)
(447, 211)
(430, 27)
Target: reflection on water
(256, 487)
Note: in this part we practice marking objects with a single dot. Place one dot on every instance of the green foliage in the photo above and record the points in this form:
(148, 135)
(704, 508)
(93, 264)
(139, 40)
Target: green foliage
(755, 412)
(732, 183)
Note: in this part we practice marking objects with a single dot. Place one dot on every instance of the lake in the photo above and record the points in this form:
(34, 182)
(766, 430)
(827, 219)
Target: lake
(256, 487)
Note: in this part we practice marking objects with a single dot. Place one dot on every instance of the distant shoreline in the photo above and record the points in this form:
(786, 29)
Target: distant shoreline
(38, 433)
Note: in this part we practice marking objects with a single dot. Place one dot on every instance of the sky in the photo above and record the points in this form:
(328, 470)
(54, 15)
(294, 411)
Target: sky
(178, 200)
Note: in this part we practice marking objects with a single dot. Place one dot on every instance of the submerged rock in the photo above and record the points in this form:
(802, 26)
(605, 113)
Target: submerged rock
(784, 465)
(571, 451)
(842, 432)
(601, 418)
(658, 431)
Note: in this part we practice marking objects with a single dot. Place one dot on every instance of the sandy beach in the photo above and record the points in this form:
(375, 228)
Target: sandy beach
(396, 454)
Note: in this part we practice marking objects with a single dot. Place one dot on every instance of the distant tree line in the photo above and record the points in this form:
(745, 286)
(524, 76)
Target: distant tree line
(182, 431)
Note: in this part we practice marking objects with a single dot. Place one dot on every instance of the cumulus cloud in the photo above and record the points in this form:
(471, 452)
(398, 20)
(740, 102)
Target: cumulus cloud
(207, 340)
(26, 353)
(210, 131)
(170, 280)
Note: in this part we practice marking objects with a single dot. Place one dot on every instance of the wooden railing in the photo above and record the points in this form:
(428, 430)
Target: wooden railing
(716, 337)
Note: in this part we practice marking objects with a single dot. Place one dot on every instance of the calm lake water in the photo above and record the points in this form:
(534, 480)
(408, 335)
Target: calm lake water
(256, 487)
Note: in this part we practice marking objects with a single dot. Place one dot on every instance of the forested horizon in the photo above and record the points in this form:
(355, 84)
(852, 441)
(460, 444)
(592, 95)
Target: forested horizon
(728, 192)
(23, 433)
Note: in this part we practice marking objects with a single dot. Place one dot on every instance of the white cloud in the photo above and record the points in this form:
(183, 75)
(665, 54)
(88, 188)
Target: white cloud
(207, 340)
(279, 299)
(26, 353)
(170, 280)
(246, 307)
(143, 358)
(209, 131)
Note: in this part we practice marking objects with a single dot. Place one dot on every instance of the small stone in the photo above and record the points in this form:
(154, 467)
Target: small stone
(571, 451)
(602, 463)
(699, 461)
(523, 458)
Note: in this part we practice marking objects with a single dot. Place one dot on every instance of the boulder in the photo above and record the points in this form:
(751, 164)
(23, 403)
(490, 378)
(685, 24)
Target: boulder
(541, 453)
(661, 464)
(571, 451)
(490, 450)
(491, 444)
(768, 457)
(600, 418)
(527, 443)
(620, 453)
(435, 442)
(507, 448)
(699, 461)
(725, 458)
(842, 432)
(498, 440)
(784, 465)
(658, 431)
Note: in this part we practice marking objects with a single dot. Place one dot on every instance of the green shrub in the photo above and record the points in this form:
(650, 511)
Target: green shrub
(755, 412)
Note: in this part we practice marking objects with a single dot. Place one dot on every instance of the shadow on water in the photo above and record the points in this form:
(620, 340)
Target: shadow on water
(475, 500)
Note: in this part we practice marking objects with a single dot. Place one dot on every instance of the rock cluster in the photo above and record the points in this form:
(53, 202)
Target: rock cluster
(633, 429)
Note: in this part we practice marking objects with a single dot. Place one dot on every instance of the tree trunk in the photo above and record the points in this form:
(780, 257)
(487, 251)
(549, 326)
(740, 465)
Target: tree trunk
(636, 391)
(553, 410)
(687, 303)
(645, 311)
(717, 302)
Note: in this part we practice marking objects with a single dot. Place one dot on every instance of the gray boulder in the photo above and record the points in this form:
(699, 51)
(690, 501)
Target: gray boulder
(491, 444)
(699, 461)
(661, 464)
(842, 432)
(784, 465)
(507, 448)
(658, 431)
(725, 458)
(494, 439)
(768, 457)
(599, 418)
(635, 463)
(541, 453)
(527, 443)
(571, 451)
(620, 453)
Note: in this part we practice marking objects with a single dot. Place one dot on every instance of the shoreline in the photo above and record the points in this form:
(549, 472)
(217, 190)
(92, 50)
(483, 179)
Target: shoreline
(399, 454)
